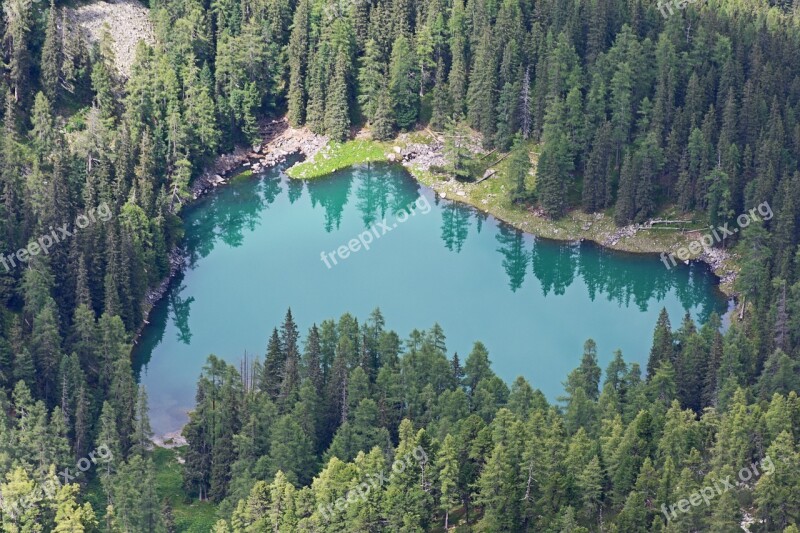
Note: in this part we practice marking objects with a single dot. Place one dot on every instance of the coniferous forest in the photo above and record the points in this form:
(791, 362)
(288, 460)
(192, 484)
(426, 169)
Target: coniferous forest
(349, 426)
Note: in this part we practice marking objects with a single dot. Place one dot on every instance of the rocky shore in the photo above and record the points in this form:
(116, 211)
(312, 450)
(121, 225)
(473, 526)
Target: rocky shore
(280, 141)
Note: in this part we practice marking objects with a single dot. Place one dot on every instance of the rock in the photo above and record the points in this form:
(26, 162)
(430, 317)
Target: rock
(257, 148)
(461, 193)
(129, 22)
(397, 149)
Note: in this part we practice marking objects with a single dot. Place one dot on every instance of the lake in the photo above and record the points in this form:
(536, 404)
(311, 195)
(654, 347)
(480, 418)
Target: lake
(266, 243)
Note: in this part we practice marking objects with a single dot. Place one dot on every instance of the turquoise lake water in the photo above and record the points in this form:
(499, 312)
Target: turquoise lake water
(255, 250)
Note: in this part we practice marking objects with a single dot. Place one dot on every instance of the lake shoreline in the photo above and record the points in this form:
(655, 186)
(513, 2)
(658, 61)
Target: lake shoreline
(417, 152)
(293, 141)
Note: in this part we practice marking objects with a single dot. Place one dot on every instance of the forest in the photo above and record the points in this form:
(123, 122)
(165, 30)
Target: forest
(629, 112)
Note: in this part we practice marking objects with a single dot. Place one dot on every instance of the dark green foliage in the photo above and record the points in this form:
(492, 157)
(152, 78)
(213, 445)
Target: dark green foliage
(519, 165)
(403, 84)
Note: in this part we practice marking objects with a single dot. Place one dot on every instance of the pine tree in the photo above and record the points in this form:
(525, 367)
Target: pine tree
(371, 81)
(553, 173)
(441, 102)
(481, 103)
(408, 502)
(274, 363)
(519, 165)
(403, 84)
(142, 431)
(312, 363)
(663, 349)
(383, 119)
(447, 463)
(598, 171)
(51, 55)
(625, 209)
(298, 63)
(460, 62)
(109, 437)
(337, 107)
(456, 152)
(777, 491)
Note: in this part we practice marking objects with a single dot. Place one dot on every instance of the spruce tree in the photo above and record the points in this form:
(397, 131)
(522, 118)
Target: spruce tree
(403, 84)
(337, 109)
(298, 63)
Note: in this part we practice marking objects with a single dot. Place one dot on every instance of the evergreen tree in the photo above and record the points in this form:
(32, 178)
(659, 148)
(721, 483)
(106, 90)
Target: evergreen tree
(298, 63)
(403, 84)
(337, 108)
(519, 165)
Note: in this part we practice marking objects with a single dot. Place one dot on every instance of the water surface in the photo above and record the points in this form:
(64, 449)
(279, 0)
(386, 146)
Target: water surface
(254, 250)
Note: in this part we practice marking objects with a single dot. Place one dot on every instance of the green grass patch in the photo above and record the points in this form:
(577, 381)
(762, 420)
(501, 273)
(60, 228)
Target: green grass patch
(337, 156)
(190, 516)
(242, 176)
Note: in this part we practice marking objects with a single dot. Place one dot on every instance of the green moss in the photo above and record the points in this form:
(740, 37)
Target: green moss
(243, 175)
(337, 156)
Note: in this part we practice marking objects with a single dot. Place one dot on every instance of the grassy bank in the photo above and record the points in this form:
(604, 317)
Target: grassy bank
(491, 196)
(337, 156)
(189, 516)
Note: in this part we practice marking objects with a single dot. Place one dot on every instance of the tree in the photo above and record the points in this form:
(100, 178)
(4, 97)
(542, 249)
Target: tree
(519, 165)
(141, 428)
(481, 100)
(441, 102)
(337, 107)
(662, 349)
(403, 84)
(449, 474)
(460, 63)
(553, 173)
(274, 362)
(298, 63)
(291, 451)
(51, 55)
(408, 500)
(778, 487)
(372, 83)
(456, 151)
(383, 120)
